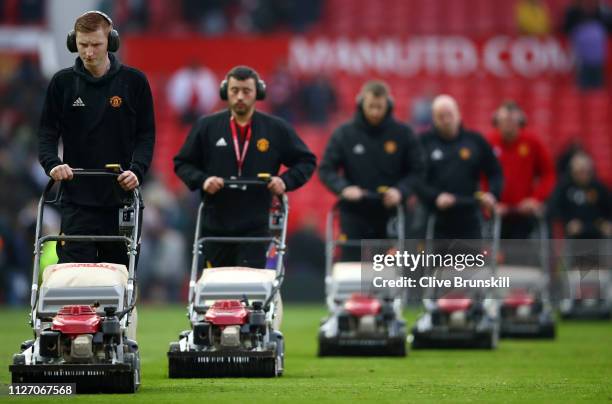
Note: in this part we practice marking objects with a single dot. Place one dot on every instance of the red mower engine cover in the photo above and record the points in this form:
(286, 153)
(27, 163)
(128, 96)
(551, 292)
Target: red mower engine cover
(362, 305)
(76, 320)
(519, 297)
(586, 291)
(453, 303)
(227, 312)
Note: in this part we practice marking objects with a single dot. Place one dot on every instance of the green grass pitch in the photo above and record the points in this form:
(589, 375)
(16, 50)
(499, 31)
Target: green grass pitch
(577, 367)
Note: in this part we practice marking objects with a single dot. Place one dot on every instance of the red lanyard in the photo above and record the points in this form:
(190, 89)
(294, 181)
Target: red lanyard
(240, 157)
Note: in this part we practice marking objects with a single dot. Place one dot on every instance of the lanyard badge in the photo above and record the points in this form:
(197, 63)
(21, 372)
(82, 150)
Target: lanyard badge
(240, 156)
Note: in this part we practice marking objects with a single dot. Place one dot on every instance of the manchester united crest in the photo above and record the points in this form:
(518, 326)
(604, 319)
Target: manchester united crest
(263, 145)
(115, 101)
(390, 147)
(523, 150)
(465, 153)
(592, 196)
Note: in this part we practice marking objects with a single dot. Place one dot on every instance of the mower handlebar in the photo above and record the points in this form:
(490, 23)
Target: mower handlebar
(111, 170)
(262, 179)
(368, 195)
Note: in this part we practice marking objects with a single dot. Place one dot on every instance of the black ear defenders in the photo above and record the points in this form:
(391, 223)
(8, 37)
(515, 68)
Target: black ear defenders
(377, 88)
(248, 73)
(113, 35)
(359, 101)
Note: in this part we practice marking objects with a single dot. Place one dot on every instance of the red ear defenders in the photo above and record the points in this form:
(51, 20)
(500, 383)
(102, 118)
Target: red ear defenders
(113, 35)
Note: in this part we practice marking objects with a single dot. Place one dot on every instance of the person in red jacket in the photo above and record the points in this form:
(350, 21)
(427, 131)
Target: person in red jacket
(529, 174)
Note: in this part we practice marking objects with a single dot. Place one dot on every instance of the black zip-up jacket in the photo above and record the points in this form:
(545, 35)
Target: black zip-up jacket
(591, 204)
(456, 165)
(101, 121)
(386, 155)
(209, 151)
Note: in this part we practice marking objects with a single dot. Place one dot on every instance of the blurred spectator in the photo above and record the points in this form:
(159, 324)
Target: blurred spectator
(532, 17)
(280, 90)
(208, 17)
(582, 202)
(213, 17)
(12, 281)
(420, 112)
(301, 14)
(587, 22)
(529, 174)
(25, 93)
(31, 11)
(581, 11)
(306, 248)
(193, 91)
(317, 99)
(129, 15)
(162, 256)
(272, 15)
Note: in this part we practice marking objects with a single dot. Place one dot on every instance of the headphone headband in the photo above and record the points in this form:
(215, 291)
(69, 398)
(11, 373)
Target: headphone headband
(106, 17)
(113, 35)
(260, 85)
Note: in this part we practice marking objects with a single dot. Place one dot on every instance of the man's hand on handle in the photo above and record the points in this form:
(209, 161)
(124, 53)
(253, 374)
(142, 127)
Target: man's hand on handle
(488, 201)
(392, 197)
(352, 193)
(277, 186)
(445, 200)
(530, 207)
(128, 180)
(63, 172)
(212, 185)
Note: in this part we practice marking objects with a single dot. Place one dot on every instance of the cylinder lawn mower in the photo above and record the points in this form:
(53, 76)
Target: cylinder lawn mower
(235, 312)
(360, 322)
(82, 314)
(461, 317)
(526, 310)
(588, 280)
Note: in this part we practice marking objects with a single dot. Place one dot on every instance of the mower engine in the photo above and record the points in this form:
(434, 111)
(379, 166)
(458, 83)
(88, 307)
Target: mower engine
(455, 311)
(365, 314)
(232, 339)
(79, 335)
(228, 324)
(364, 325)
(521, 305)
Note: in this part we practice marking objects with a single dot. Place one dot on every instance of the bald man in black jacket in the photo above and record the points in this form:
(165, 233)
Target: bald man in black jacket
(456, 158)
